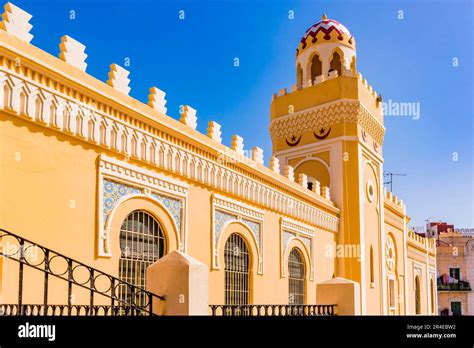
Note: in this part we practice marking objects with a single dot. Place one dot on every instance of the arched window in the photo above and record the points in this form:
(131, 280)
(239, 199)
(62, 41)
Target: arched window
(316, 67)
(417, 295)
(372, 264)
(142, 242)
(296, 277)
(433, 294)
(237, 277)
(336, 63)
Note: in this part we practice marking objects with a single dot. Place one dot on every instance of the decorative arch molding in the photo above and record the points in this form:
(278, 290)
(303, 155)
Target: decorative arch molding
(119, 182)
(228, 212)
(375, 196)
(317, 159)
(296, 234)
(298, 243)
(391, 260)
(127, 205)
(242, 230)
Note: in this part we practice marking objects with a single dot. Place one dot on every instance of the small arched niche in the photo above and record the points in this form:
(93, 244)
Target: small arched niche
(336, 62)
(316, 67)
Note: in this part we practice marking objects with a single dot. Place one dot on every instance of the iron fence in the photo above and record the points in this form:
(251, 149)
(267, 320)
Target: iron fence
(49, 263)
(273, 310)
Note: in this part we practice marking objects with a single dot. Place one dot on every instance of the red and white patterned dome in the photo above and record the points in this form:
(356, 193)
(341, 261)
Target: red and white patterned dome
(326, 30)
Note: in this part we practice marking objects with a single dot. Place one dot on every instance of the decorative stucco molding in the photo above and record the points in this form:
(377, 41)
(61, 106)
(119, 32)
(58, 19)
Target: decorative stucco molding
(323, 116)
(226, 211)
(289, 230)
(119, 181)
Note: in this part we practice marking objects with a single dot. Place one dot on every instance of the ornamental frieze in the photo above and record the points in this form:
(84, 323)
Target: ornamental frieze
(322, 117)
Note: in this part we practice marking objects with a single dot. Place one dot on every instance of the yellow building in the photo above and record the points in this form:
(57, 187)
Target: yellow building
(97, 176)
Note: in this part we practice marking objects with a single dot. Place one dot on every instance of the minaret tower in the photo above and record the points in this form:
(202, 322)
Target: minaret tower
(329, 126)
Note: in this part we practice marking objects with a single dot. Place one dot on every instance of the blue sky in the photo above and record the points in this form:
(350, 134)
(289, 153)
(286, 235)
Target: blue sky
(406, 60)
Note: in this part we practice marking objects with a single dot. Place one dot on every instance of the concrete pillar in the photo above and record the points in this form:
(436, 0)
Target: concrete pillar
(183, 281)
(343, 292)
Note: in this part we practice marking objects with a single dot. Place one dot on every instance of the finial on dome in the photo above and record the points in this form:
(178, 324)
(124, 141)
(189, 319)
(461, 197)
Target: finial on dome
(324, 17)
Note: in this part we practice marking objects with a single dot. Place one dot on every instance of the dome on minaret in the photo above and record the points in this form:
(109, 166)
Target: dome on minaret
(325, 31)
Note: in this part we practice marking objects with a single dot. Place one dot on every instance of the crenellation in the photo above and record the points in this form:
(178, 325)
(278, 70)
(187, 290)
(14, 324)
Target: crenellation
(73, 52)
(257, 154)
(289, 172)
(118, 78)
(15, 21)
(326, 193)
(238, 144)
(332, 74)
(214, 131)
(303, 180)
(156, 99)
(318, 79)
(282, 91)
(275, 165)
(188, 116)
(316, 187)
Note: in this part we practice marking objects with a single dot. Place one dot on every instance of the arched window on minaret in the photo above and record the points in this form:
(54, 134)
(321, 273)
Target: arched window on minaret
(316, 67)
(299, 77)
(336, 63)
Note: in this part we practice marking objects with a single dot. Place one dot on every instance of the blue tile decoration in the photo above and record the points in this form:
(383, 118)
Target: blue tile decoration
(307, 242)
(285, 237)
(254, 227)
(113, 191)
(173, 205)
(221, 218)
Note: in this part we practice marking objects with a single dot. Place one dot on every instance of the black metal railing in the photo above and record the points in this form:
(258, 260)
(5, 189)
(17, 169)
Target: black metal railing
(273, 310)
(459, 286)
(96, 284)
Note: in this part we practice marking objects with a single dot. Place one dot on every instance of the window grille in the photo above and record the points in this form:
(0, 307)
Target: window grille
(237, 278)
(142, 242)
(296, 277)
(391, 293)
(417, 296)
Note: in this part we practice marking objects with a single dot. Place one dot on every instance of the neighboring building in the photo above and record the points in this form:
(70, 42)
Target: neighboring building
(455, 264)
(90, 172)
(434, 229)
